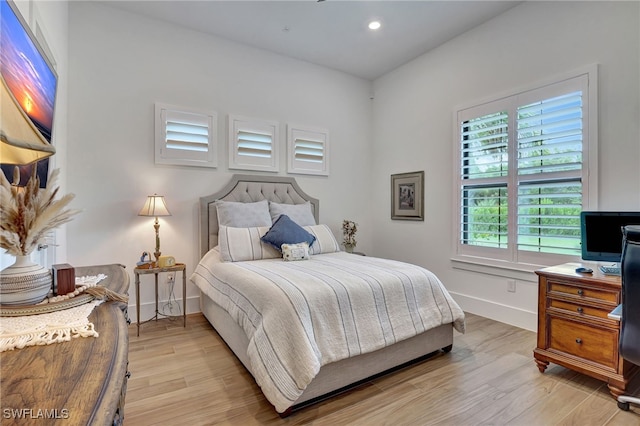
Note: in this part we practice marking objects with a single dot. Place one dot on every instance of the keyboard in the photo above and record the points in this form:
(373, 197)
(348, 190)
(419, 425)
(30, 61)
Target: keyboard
(610, 270)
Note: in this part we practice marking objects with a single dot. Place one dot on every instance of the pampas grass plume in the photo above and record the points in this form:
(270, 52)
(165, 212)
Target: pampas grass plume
(27, 215)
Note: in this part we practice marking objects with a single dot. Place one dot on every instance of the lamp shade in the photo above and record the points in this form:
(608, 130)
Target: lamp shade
(154, 206)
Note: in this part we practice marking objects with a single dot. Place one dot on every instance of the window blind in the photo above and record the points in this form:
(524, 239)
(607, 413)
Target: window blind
(190, 133)
(484, 146)
(253, 144)
(550, 135)
(308, 150)
(485, 216)
(550, 146)
(185, 137)
(522, 176)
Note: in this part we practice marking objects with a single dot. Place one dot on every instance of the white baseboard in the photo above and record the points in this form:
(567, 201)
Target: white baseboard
(485, 308)
(148, 309)
(496, 311)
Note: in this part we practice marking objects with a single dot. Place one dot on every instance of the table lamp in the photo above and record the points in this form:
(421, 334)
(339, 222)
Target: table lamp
(155, 206)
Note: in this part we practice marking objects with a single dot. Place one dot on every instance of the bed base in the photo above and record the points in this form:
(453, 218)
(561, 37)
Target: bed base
(347, 388)
(344, 375)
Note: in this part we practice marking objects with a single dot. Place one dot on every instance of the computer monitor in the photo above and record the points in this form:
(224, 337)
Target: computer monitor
(601, 234)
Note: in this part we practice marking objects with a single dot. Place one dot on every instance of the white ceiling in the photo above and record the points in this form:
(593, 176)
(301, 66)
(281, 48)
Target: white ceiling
(331, 33)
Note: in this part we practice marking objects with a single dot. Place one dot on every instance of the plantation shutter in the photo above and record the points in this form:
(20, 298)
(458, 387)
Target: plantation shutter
(550, 146)
(523, 174)
(308, 151)
(185, 137)
(253, 144)
(484, 166)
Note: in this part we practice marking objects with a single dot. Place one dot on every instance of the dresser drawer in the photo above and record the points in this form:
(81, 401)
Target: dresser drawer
(586, 292)
(591, 343)
(577, 308)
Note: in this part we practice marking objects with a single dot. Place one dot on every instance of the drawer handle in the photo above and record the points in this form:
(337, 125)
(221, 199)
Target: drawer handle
(579, 341)
(580, 292)
(580, 310)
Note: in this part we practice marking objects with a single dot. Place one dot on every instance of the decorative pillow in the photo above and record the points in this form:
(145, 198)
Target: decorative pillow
(243, 215)
(299, 213)
(325, 240)
(239, 244)
(286, 231)
(298, 251)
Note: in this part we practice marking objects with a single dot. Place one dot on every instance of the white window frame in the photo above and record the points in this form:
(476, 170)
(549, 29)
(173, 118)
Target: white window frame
(297, 135)
(203, 154)
(264, 129)
(511, 261)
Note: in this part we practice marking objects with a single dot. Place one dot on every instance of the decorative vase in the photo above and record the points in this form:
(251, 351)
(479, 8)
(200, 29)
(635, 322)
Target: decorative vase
(348, 248)
(24, 283)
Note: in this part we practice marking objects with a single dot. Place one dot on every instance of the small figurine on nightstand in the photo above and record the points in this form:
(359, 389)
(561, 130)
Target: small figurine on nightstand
(144, 261)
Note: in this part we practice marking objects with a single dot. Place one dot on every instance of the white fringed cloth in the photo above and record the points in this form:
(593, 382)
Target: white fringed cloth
(52, 327)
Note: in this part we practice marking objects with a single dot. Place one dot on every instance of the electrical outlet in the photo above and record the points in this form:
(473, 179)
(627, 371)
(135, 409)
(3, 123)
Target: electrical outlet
(171, 277)
(511, 286)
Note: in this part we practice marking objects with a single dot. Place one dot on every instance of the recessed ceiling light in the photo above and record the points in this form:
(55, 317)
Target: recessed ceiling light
(374, 25)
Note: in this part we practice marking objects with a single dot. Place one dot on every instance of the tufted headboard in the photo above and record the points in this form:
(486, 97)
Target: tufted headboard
(249, 189)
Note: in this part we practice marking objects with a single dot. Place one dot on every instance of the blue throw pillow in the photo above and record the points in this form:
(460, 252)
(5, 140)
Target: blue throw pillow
(286, 231)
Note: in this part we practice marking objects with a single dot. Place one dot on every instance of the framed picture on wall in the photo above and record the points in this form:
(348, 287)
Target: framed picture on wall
(407, 196)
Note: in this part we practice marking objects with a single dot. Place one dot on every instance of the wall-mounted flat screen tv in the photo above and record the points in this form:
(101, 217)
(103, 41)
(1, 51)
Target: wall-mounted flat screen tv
(601, 234)
(31, 81)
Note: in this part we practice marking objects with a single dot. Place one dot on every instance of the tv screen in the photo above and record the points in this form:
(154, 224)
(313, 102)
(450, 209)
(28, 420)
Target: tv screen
(31, 81)
(601, 234)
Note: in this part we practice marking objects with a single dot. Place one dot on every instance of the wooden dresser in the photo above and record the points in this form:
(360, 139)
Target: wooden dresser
(573, 325)
(81, 382)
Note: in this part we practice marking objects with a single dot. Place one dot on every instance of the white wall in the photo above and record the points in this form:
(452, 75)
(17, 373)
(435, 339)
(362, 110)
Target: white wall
(121, 64)
(413, 128)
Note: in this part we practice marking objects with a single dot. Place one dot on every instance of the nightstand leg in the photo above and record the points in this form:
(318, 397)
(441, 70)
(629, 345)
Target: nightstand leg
(156, 275)
(138, 301)
(184, 298)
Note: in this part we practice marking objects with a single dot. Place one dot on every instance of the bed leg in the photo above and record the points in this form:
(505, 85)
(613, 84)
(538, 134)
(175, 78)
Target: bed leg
(447, 349)
(286, 413)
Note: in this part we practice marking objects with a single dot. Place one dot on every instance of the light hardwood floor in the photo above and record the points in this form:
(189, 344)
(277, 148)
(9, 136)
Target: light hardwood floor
(189, 377)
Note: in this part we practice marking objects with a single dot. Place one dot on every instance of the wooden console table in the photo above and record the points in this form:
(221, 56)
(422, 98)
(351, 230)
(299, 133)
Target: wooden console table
(80, 382)
(574, 329)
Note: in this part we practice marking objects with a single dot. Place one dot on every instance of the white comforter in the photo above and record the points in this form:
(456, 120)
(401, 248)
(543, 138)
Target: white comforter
(301, 315)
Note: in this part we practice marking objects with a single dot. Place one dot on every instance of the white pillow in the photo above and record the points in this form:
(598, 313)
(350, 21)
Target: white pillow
(299, 213)
(243, 215)
(325, 240)
(298, 251)
(240, 244)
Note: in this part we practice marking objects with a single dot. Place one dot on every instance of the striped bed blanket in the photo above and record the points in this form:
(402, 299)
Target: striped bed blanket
(299, 316)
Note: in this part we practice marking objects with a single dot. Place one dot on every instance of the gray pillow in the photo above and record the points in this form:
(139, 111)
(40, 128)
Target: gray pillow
(243, 215)
(299, 213)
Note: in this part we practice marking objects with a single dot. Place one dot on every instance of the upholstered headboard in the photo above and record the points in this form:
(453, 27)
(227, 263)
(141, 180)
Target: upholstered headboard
(249, 189)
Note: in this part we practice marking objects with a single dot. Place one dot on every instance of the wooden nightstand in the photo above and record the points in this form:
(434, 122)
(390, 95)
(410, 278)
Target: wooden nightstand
(144, 271)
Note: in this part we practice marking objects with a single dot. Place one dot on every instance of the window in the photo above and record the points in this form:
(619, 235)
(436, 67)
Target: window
(185, 137)
(253, 144)
(522, 175)
(308, 150)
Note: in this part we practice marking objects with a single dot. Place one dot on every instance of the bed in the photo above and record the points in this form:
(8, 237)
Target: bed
(275, 317)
